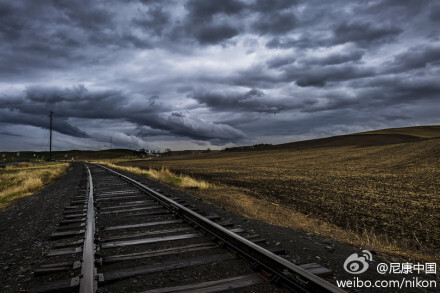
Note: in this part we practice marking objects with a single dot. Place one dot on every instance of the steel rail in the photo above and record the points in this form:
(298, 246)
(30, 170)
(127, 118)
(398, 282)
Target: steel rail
(283, 272)
(88, 281)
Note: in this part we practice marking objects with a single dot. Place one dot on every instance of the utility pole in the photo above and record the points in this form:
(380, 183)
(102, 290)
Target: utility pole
(111, 142)
(50, 140)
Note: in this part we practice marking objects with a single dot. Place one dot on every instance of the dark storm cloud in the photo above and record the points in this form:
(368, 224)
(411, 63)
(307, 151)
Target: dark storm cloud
(94, 18)
(62, 126)
(279, 61)
(78, 102)
(274, 17)
(10, 27)
(334, 59)
(396, 8)
(215, 34)
(320, 77)
(201, 22)
(204, 11)
(415, 58)
(180, 124)
(217, 72)
(206, 21)
(24, 18)
(155, 19)
(275, 23)
(10, 134)
(395, 90)
(44, 36)
(145, 131)
(254, 100)
(364, 34)
(255, 76)
(286, 43)
(273, 5)
(250, 101)
(434, 15)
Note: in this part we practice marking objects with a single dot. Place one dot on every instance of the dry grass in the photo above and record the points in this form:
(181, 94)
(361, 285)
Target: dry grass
(164, 175)
(26, 179)
(234, 200)
(385, 197)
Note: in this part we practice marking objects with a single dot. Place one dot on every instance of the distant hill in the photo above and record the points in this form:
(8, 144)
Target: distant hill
(373, 138)
(416, 131)
(369, 138)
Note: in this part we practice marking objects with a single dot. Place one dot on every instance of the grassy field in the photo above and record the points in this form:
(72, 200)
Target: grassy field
(26, 178)
(384, 194)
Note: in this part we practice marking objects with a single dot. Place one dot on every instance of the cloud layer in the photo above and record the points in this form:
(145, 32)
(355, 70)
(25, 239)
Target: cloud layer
(198, 73)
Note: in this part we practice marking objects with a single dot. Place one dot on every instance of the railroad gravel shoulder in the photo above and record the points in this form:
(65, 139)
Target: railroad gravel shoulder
(25, 228)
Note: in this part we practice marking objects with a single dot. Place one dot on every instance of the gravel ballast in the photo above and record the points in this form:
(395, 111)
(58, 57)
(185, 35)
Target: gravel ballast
(25, 228)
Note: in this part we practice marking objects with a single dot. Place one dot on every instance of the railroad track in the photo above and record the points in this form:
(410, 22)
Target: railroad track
(119, 235)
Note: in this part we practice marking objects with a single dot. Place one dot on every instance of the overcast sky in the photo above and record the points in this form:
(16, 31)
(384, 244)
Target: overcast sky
(208, 73)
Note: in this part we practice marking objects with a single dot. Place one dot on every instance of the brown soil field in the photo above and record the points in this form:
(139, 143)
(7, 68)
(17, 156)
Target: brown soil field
(379, 184)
